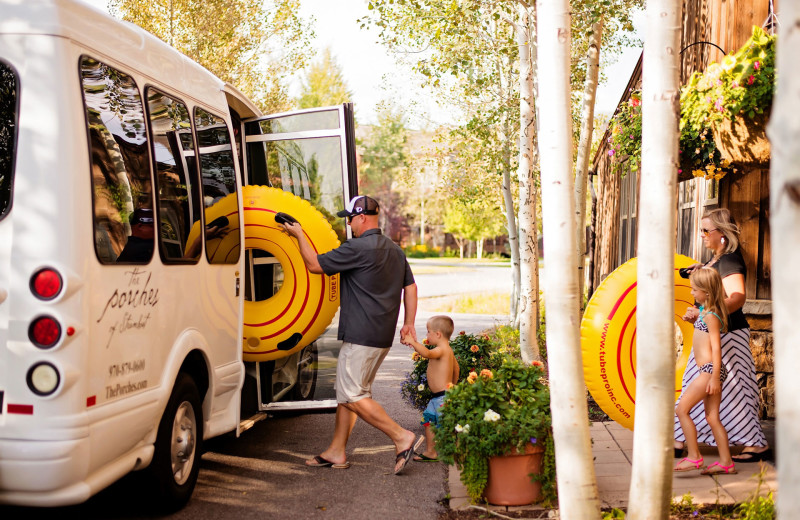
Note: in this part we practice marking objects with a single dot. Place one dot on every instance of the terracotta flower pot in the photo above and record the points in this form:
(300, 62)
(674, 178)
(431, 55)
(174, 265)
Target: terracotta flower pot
(509, 482)
(743, 141)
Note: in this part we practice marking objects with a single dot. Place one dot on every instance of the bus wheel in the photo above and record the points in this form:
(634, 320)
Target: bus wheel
(176, 460)
(306, 374)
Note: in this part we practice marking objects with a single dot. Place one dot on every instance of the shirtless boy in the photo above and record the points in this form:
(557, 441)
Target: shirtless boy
(442, 370)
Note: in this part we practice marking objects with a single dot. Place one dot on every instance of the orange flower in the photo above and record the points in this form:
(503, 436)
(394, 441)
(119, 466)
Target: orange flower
(415, 356)
(425, 341)
(472, 377)
(537, 364)
(486, 373)
(449, 386)
(474, 348)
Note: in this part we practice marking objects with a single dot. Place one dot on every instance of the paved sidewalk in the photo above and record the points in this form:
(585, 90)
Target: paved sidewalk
(613, 453)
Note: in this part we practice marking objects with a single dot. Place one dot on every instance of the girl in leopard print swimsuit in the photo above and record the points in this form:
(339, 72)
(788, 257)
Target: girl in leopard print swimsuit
(707, 387)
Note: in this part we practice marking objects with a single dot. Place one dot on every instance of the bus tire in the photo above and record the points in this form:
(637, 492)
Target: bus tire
(307, 368)
(176, 459)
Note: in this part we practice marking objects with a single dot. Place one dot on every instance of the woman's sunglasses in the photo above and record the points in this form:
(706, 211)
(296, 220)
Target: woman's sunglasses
(706, 232)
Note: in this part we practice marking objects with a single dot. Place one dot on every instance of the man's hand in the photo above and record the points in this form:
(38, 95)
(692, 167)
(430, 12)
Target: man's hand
(296, 230)
(406, 331)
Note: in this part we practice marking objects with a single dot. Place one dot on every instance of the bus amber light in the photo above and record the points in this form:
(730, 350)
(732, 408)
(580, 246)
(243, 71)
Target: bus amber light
(43, 378)
(44, 332)
(46, 284)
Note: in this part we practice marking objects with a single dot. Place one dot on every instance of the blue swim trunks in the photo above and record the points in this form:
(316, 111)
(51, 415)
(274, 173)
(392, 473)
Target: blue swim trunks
(431, 414)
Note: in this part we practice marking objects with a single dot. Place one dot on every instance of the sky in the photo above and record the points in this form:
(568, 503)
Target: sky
(374, 76)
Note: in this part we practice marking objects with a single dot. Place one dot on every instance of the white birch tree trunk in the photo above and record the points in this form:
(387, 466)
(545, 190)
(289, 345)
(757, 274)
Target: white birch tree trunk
(528, 258)
(577, 487)
(585, 149)
(651, 477)
(784, 196)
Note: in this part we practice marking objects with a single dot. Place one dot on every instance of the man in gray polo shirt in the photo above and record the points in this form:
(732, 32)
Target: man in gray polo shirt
(374, 277)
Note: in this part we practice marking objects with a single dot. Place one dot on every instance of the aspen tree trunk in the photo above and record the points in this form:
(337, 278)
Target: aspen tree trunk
(651, 477)
(784, 196)
(528, 310)
(577, 487)
(585, 149)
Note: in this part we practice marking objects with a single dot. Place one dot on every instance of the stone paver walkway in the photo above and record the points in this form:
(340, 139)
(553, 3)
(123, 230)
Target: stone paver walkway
(613, 453)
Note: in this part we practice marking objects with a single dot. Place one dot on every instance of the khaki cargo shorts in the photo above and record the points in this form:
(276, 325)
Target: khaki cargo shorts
(356, 370)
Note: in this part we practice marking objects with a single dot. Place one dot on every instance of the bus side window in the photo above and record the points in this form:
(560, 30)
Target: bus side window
(8, 134)
(218, 176)
(177, 193)
(121, 189)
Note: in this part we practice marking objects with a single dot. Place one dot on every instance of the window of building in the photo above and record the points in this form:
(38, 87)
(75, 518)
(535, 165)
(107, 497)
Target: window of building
(120, 167)
(218, 176)
(177, 193)
(695, 197)
(9, 95)
(628, 215)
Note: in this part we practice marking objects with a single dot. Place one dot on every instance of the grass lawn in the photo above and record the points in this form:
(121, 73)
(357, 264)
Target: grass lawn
(470, 303)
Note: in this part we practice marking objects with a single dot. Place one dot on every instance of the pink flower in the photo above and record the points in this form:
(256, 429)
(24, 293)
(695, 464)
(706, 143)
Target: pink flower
(735, 84)
(680, 171)
(635, 102)
(757, 65)
(611, 153)
(750, 80)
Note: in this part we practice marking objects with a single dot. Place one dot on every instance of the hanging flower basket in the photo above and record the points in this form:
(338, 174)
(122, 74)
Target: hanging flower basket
(743, 141)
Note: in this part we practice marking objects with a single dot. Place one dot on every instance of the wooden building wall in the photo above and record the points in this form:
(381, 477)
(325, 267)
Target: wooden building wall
(727, 24)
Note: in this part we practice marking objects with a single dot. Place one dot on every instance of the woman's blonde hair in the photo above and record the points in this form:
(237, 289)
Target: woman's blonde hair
(707, 279)
(722, 220)
(443, 324)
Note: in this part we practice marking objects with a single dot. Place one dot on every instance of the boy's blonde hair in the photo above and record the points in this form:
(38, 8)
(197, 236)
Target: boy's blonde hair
(443, 324)
(708, 280)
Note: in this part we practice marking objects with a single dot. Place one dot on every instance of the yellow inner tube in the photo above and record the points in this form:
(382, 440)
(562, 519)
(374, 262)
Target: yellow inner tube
(608, 339)
(306, 303)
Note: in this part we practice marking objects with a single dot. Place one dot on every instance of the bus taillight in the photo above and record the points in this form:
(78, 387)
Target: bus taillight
(44, 332)
(46, 284)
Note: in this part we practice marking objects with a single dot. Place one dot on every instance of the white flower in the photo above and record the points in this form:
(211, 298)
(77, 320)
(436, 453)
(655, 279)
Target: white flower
(491, 416)
(460, 428)
(421, 388)
(466, 428)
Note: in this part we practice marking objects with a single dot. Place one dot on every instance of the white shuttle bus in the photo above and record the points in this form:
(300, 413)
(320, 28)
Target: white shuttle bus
(125, 267)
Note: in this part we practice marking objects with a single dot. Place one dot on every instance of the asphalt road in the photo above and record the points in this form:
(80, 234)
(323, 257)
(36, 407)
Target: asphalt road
(261, 474)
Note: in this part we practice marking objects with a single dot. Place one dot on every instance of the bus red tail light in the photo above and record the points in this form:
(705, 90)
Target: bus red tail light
(46, 284)
(44, 332)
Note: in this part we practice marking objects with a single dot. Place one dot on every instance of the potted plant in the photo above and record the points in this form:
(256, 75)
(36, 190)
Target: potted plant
(626, 135)
(474, 352)
(698, 152)
(497, 413)
(733, 98)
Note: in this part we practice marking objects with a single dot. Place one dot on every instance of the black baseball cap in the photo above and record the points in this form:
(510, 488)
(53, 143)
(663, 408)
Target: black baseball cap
(142, 216)
(360, 205)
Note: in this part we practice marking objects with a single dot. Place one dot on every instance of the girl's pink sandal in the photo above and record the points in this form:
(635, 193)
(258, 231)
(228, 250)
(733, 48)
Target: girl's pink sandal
(698, 464)
(727, 470)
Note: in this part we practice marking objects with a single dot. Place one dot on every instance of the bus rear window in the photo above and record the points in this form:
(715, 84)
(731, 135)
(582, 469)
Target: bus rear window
(123, 204)
(8, 134)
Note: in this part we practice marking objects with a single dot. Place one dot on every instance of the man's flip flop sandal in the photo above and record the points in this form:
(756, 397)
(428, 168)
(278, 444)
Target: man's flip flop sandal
(421, 457)
(319, 462)
(405, 455)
